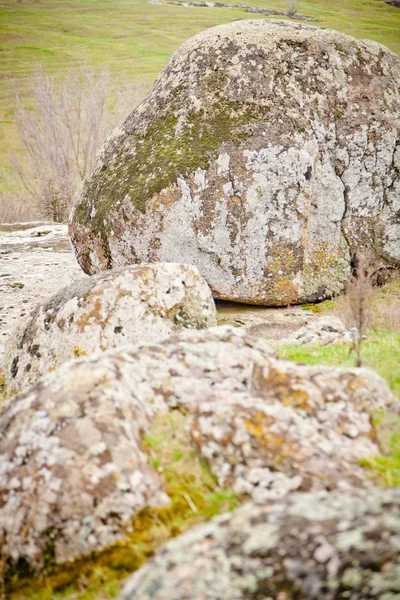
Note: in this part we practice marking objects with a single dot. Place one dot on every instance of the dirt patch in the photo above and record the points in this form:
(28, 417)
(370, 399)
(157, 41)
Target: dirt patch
(261, 322)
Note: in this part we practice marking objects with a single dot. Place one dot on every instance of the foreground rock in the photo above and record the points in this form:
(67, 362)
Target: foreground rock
(300, 428)
(124, 306)
(36, 260)
(72, 469)
(265, 155)
(308, 546)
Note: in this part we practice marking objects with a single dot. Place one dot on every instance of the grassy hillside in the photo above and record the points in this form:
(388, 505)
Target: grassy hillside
(135, 38)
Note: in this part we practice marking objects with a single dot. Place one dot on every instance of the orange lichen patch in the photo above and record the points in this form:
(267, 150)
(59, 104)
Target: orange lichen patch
(297, 399)
(93, 315)
(326, 268)
(355, 383)
(284, 387)
(165, 199)
(254, 429)
(322, 258)
(79, 351)
(272, 445)
(281, 268)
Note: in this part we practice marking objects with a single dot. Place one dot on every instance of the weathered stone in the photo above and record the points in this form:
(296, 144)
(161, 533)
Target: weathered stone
(323, 331)
(36, 260)
(125, 306)
(299, 427)
(308, 546)
(72, 469)
(265, 155)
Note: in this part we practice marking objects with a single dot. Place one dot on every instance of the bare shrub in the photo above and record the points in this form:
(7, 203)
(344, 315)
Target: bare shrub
(355, 306)
(14, 207)
(63, 131)
(368, 307)
(292, 8)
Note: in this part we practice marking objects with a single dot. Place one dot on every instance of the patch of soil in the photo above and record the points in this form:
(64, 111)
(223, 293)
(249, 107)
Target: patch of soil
(261, 322)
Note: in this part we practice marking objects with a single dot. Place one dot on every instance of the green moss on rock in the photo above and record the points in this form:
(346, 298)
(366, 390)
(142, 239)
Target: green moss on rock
(162, 155)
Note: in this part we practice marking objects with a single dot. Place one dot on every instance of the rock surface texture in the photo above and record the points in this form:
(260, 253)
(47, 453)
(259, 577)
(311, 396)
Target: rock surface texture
(298, 427)
(36, 259)
(266, 154)
(123, 306)
(73, 472)
(323, 331)
(307, 546)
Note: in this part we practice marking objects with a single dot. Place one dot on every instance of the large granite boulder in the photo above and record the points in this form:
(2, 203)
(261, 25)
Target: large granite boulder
(309, 546)
(130, 305)
(265, 155)
(73, 470)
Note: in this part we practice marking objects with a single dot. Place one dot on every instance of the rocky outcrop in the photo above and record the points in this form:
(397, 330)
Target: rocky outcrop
(36, 260)
(124, 306)
(265, 155)
(73, 472)
(249, 9)
(308, 546)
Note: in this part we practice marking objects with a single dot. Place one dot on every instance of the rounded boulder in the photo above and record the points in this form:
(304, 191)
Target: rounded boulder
(130, 305)
(266, 154)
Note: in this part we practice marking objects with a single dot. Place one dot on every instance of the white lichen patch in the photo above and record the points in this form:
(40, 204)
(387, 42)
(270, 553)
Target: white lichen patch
(73, 472)
(342, 544)
(120, 307)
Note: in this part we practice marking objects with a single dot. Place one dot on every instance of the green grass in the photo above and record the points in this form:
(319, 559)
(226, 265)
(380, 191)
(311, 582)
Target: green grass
(381, 352)
(135, 39)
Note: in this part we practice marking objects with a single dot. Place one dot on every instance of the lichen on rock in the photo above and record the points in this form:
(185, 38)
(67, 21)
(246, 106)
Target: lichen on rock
(307, 546)
(124, 306)
(74, 471)
(266, 154)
